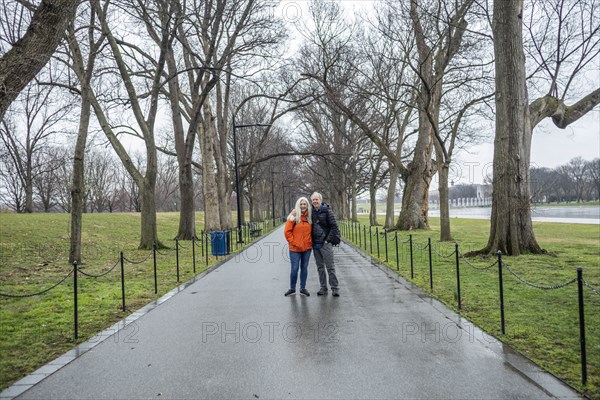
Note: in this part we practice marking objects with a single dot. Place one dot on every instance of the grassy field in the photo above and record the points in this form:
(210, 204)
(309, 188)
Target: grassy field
(541, 324)
(33, 256)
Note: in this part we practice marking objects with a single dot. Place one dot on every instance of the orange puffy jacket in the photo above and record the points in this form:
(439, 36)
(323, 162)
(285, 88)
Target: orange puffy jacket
(298, 235)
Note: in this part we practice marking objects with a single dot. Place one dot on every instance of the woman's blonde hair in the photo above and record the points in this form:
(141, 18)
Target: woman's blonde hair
(298, 216)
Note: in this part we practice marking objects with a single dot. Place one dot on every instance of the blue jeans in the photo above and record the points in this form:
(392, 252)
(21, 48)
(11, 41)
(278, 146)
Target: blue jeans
(299, 260)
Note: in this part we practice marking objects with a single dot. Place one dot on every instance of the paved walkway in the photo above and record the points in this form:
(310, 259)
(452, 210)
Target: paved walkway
(232, 334)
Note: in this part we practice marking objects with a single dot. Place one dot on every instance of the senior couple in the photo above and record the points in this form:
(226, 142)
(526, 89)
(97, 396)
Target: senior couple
(312, 228)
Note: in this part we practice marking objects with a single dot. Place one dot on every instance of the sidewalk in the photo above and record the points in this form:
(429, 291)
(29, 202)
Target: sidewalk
(232, 334)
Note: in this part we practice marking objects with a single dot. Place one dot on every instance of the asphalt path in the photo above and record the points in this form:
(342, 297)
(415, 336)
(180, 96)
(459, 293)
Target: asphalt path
(232, 334)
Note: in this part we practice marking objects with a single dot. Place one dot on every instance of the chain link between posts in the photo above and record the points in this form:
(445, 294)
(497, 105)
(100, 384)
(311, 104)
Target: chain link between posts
(38, 293)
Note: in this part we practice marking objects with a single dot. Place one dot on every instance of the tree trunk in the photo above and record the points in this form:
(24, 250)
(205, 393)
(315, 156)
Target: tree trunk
(187, 212)
(78, 180)
(445, 234)
(209, 180)
(373, 200)
(224, 207)
(415, 202)
(184, 145)
(352, 211)
(390, 217)
(148, 226)
(28, 186)
(30, 53)
(511, 230)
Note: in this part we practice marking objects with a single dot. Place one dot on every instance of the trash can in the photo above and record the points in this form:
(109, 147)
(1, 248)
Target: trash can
(219, 243)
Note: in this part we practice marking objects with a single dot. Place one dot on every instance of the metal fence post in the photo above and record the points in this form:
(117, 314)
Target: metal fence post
(365, 236)
(412, 274)
(397, 258)
(194, 252)
(430, 265)
(386, 244)
(155, 277)
(206, 252)
(202, 243)
(177, 257)
(359, 237)
(122, 281)
(370, 240)
(581, 326)
(501, 291)
(377, 236)
(457, 274)
(75, 310)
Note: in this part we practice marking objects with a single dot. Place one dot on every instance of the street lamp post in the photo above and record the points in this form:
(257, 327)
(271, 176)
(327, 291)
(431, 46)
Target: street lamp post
(282, 199)
(272, 198)
(237, 178)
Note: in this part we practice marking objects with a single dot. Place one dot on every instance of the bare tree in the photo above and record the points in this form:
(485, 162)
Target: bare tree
(593, 168)
(99, 180)
(12, 192)
(27, 129)
(167, 185)
(47, 181)
(576, 173)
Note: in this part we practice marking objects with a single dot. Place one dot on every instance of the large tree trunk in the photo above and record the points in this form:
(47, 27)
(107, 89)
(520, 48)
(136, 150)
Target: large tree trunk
(29, 185)
(415, 202)
(148, 226)
(78, 180)
(221, 149)
(187, 212)
(445, 234)
(373, 200)
(390, 217)
(209, 180)
(184, 145)
(353, 211)
(30, 53)
(511, 230)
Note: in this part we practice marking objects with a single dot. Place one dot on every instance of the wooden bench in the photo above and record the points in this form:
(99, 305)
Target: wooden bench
(255, 231)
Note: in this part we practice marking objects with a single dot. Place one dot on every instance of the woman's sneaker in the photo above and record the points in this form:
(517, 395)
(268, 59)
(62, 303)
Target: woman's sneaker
(304, 292)
(289, 292)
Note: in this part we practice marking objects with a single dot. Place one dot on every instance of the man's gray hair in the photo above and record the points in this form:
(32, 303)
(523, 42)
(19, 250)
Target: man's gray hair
(319, 195)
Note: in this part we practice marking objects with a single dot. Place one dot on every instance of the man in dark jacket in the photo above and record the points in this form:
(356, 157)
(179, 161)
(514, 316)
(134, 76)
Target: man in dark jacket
(324, 231)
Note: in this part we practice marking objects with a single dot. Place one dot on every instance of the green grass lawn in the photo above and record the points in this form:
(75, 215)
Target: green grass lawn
(34, 252)
(541, 324)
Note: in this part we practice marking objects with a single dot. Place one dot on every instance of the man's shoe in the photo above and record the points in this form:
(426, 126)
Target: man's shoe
(335, 292)
(289, 292)
(304, 292)
(322, 292)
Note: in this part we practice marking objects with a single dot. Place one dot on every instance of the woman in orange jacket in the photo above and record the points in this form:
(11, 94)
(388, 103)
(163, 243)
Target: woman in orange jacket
(297, 232)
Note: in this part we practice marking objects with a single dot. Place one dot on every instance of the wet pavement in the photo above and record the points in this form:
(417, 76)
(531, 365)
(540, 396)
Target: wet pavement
(232, 334)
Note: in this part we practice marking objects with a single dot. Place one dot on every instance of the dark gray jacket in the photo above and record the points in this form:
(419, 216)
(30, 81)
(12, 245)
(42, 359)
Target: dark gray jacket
(324, 226)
